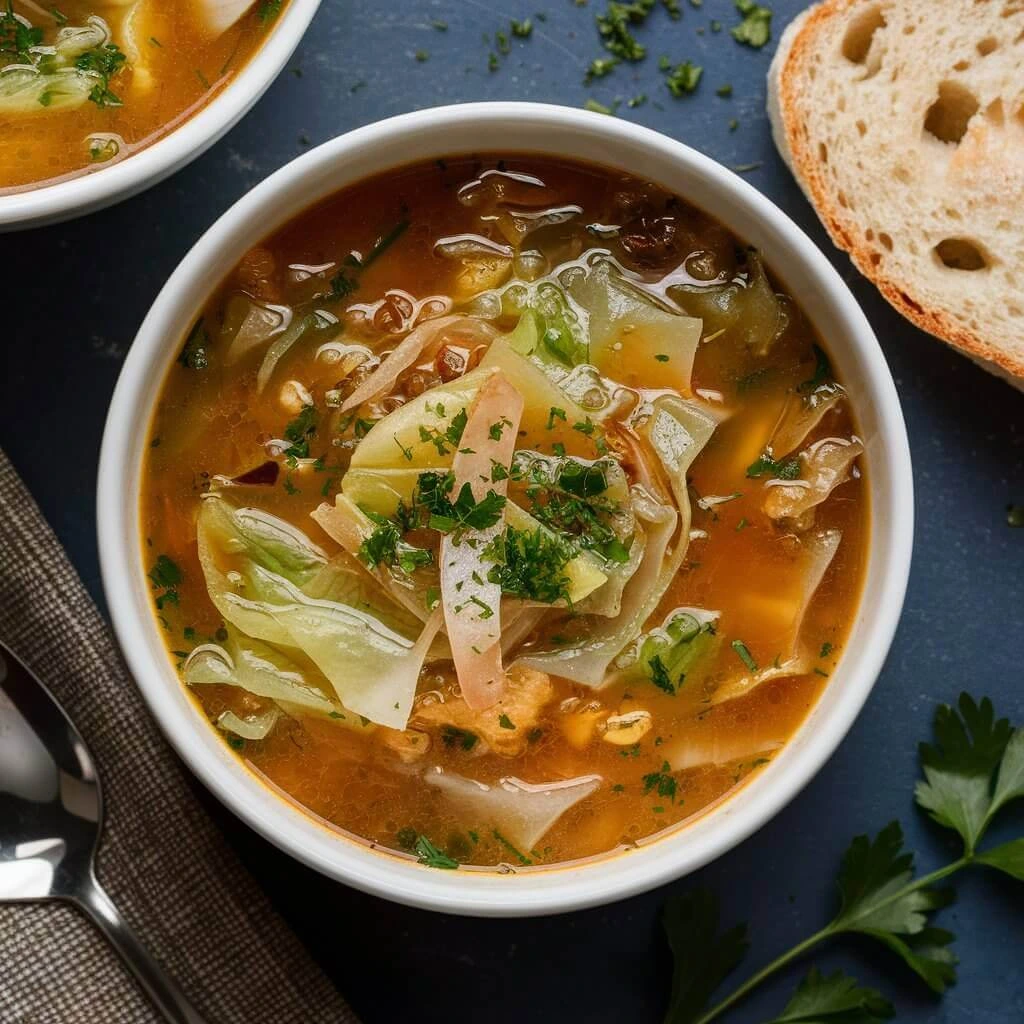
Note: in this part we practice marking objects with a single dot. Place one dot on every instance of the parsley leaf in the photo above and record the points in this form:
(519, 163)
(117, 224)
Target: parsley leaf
(702, 957)
(970, 745)
(1009, 858)
(879, 900)
(837, 997)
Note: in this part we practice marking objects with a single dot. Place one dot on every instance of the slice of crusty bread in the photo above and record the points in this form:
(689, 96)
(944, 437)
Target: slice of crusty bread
(903, 122)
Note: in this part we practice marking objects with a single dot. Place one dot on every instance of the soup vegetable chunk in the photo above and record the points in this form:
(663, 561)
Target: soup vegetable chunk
(504, 512)
(88, 82)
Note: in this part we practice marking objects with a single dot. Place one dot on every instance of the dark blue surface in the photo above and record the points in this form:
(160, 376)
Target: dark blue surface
(75, 294)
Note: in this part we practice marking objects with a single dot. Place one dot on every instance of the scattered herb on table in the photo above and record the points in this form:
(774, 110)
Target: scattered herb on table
(756, 27)
(683, 79)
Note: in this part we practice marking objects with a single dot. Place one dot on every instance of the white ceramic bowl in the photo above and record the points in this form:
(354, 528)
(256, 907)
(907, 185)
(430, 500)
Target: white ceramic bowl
(108, 185)
(508, 128)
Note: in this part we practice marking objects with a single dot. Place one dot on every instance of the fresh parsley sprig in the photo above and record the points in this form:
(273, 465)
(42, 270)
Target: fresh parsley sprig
(972, 770)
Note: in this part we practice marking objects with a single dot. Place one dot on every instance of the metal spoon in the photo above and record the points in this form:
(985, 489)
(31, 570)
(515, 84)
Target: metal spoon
(51, 812)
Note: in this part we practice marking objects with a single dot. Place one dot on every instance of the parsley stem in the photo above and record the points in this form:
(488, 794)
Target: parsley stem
(762, 975)
(829, 931)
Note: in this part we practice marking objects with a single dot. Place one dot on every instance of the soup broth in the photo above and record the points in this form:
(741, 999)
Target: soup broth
(90, 82)
(480, 656)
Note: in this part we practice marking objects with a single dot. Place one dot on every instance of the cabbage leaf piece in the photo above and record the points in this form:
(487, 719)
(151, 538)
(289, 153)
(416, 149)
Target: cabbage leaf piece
(372, 667)
(665, 655)
(522, 811)
(49, 79)
(814, 556)
(634, 339)
(823, 467)
(751, 313)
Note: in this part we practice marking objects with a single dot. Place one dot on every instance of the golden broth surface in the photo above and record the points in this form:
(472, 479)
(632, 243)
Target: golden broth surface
(211, 421)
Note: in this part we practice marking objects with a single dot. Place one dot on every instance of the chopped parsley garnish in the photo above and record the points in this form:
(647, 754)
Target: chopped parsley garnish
(683, 79)
(554, 413)
(1015, 515)
(826, 650)
(529, 564)
(165, 577)
(786, 469)
(565, 495)
(663, 782)
(725, 91)
(505, 722)
(421, 56)
(432, 499)
(385, 546)
(298, 432)
(427, 853)
(16, 38)
(744, 654)
(448, 439)
(521, 29)
(756, 27)
(104, 62)
(193, 355)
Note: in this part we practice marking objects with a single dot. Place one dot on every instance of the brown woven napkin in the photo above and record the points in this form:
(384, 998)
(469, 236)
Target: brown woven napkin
(163, 862)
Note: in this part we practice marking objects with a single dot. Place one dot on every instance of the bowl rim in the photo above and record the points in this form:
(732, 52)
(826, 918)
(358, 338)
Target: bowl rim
(560, 888)
(104, 186)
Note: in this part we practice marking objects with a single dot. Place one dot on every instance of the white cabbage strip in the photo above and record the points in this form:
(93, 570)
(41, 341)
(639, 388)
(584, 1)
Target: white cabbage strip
(522, 811)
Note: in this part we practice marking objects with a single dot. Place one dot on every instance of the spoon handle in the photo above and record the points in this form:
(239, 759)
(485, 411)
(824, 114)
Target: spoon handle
(155, 981)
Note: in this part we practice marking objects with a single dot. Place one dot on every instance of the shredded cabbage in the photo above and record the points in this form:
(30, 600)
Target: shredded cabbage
(372, 667)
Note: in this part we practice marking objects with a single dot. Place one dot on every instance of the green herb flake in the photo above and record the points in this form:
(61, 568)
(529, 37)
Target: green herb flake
(756, 27)
(505, 722)
(683, 79)
(787, 469)
(744, 654)
(427, 853)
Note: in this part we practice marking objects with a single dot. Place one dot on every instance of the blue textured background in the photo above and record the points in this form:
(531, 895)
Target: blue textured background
(73, 296)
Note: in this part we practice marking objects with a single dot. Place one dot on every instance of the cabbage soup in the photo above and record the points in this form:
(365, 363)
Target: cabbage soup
(503, 512)
(84, 83)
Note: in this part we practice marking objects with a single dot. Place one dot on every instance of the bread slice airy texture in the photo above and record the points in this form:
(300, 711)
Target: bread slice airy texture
(903, 122)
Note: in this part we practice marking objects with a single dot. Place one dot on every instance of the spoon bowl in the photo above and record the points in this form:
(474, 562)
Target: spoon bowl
(51, 816)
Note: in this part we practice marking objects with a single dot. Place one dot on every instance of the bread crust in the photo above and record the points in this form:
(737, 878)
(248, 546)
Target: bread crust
(822, 21)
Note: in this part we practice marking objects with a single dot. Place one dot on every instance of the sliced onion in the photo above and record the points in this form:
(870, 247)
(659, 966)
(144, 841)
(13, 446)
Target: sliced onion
(382, 380)
(472, 603)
